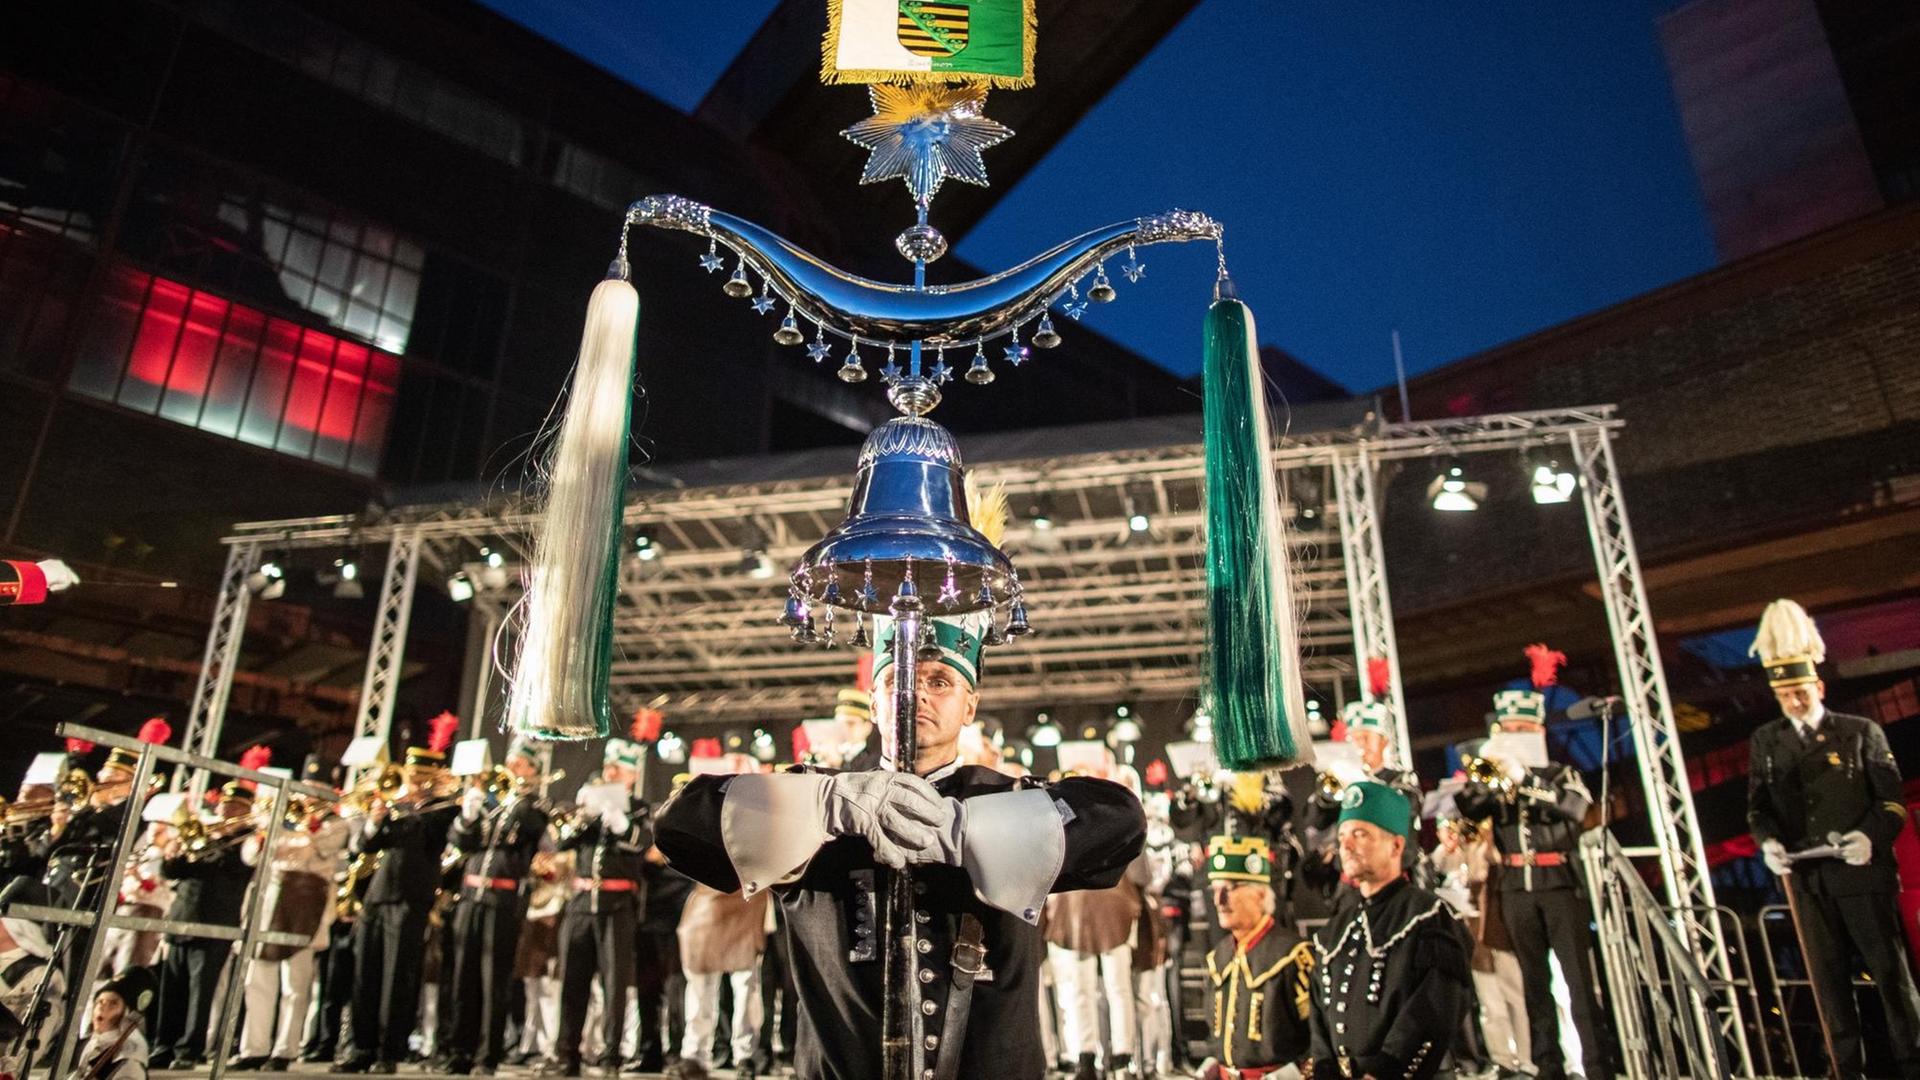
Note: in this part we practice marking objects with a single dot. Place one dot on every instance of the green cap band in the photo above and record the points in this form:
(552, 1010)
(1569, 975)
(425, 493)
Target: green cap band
(1239, 858)
(961, 647)
(1525, 705)
(1376, 804)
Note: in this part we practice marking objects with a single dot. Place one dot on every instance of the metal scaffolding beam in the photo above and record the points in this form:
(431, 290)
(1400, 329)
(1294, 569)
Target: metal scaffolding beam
(1663, 769)
(208, 712)
(1366, 560)
(387, 652)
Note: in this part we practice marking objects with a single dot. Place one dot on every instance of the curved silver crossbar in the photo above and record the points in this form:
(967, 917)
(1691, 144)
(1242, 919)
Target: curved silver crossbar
(942, 316)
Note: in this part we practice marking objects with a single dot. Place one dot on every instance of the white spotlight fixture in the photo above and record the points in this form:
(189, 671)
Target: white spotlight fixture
(671, 748)
(1201, 727)
(647, 549)
(1550, 480)
(347, 584)
(1126, 729)
(460, 587)
(1451, 491)
(763, 748)
(1045, 732)
(494, 558)
(268, 582)
(757, 565)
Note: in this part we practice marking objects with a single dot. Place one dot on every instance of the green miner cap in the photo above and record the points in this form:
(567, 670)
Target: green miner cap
(961, 647)
(1376, 804)
(1524, 705)
(1366, 716)
(1239, 858)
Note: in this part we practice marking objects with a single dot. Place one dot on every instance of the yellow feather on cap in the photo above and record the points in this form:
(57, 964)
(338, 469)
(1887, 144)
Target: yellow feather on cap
(987, 511)
(1249, 792)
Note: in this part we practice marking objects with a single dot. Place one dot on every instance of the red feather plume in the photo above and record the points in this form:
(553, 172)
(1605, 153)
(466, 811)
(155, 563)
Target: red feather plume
(704, 748)
(440, 732)
(646, 725)
(1379, 676)
(79, 746)
(1546, 665)
(1156, 773)
(156, 731)
(801, 744)
(257, 757)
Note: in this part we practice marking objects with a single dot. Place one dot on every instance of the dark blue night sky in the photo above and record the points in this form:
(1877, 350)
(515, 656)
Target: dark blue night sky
(1466, 173)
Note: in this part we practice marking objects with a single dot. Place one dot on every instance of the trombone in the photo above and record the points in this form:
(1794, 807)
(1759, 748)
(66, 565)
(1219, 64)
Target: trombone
(1488, 773)
(374, 787)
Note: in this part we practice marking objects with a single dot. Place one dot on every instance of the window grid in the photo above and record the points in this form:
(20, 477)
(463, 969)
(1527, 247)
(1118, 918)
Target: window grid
(190, 356)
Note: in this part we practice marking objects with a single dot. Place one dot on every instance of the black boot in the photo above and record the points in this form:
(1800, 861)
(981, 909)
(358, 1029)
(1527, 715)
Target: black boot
(1086, 1070)
(1119, 1065)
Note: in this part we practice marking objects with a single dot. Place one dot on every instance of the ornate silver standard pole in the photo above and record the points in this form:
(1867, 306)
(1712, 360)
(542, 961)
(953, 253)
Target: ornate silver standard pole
(900, 1047)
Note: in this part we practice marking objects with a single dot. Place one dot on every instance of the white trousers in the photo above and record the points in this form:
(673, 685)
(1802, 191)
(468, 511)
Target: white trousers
(277, 993)
(543, 1014)
(1503, 1011)
(1080, 981)
(1156, 1021)
(703, 1015)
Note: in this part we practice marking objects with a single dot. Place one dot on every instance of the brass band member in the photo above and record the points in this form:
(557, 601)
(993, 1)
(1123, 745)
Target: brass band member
(1537, 816)
(209, 886)
(1819, 779)
(499, 842)
(390, 934)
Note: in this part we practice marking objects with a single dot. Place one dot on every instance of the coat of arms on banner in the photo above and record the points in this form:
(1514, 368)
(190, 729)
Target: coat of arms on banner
(983, 42)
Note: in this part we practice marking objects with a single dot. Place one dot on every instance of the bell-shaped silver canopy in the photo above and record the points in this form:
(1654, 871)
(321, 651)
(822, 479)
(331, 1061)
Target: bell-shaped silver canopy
(907, 531)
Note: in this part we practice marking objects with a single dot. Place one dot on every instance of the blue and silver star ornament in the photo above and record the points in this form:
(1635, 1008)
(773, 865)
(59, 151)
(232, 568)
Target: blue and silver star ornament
(925, 134)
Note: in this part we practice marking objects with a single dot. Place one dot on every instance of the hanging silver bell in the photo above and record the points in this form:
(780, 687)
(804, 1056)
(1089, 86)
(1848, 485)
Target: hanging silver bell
(789, 332)
(1017, 620)
(907, 525)
(738, 286)
(979, 374)
(852, 371)
(1044, 335)
(796, 613)
(1101, 292)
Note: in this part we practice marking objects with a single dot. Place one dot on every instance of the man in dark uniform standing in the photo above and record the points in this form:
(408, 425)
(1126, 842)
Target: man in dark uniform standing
(210, 886)
(986, 850)
(597, 928)
(1390, 984)
(390, 934)
(1538, 815)
(1820, 779)
(1259, 973)
(499, 842)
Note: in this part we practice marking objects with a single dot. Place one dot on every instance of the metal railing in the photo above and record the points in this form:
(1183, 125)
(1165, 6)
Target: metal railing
(1656, 981)
(100, 916)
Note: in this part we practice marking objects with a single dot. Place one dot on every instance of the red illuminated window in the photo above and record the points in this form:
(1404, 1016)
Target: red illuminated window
(163, 348)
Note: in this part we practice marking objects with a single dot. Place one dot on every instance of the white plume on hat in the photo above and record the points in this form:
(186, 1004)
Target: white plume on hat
(1787, 631)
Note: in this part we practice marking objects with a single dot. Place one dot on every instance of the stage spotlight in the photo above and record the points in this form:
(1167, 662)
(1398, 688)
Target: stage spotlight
(493, 577)
(347, 584)
(757, 565)
(1137, 521)
(763, 748)
(1200, 728)
(268, 582)
(460, 587)
(1550, 480)
(1451, 490)
(1125, 728)
(494, 558)
(671, 748)
(1040, 514)
(647, 549)
(1045, 732)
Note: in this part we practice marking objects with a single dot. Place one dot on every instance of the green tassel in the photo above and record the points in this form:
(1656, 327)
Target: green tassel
(1258, 718)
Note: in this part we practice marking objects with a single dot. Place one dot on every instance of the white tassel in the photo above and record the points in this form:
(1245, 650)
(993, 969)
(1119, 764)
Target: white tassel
(1787, 632)
(559, 685)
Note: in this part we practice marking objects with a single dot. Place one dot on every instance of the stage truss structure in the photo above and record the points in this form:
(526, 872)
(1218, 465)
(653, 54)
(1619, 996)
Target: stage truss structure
(1120, 611)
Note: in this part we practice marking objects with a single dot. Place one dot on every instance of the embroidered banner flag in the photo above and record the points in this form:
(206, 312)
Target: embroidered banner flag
(984, 42)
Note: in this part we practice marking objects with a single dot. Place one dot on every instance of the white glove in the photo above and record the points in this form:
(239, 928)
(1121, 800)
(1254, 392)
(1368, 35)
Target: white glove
(898, 814)
(59, 574)
(1774, 854)
(1855, 848)
(1515, 771)
(615, 822)
(472, 803)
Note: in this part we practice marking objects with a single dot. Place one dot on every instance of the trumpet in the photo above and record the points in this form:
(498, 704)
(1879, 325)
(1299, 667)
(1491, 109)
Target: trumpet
(199, 839)
(374, 787)
(1331, 786)
(1489, 773)
(1463, 830)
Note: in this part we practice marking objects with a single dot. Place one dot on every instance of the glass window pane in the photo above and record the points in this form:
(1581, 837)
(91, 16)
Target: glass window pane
(307, 394)
(369, 281)
(233, 370)
(153, 346)
(342, 407)
(193, 359)
(103, 347)
(334, 266)
(271, 376)
(376, 411)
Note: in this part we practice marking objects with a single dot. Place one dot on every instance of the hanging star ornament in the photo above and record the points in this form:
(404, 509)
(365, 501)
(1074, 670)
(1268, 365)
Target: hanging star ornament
(763, 304)
(711, 262)
(925, 134)
(818, 351)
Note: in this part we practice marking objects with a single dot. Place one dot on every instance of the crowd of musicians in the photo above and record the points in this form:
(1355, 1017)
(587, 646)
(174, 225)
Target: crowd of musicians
(464, 923)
